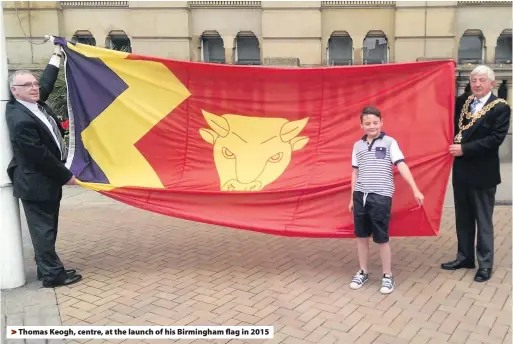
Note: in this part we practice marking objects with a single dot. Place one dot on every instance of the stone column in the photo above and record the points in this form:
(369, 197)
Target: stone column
(324, 51)
(195, 48)
(261, 47)
(358, 50)
(229, 52)
(509, 85)
(391, 51)
(505, 150)
(100, 37)
(461, 83)
(490, 54)
(460, 87)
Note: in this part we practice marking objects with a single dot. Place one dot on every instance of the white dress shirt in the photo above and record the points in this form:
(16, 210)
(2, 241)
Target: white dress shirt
(482, 102)
(35, 110)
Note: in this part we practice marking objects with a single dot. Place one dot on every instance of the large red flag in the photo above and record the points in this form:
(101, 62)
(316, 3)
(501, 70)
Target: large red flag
(257, 148)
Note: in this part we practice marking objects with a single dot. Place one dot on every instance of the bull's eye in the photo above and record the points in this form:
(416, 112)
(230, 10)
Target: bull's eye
(228, 154)
(276, 157)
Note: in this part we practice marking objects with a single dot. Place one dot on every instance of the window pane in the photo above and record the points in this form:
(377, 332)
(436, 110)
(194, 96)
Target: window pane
(470, 50)
(89, 40)
(248, 51)
(503, 49)
(341, 50)
(375, 50)
(120, 43)
(214, 49)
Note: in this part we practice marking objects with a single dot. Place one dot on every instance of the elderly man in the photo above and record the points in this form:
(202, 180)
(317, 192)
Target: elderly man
(481, 124)
(37, 169)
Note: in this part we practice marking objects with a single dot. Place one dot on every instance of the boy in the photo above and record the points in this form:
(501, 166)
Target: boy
(372, 188)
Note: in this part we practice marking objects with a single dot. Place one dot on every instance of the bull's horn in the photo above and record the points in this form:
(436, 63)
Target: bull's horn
(292, 129)
(217, 123)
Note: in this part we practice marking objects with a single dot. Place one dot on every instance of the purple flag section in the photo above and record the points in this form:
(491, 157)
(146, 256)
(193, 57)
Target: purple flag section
(92, 87)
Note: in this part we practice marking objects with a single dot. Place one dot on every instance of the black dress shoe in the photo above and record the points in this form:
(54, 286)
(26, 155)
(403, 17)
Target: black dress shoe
(74, 278)
(483, 275)
(68, 271)
(458, 264)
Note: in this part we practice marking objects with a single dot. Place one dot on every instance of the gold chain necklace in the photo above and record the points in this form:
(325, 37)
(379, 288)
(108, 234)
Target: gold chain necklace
(475, 117)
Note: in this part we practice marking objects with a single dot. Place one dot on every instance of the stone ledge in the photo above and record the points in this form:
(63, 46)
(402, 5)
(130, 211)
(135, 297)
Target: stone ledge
(282, 61)
(501, 203)
(29, 66)
(495, 67)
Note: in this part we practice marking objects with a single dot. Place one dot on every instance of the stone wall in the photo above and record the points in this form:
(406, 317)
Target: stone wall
(290, 33)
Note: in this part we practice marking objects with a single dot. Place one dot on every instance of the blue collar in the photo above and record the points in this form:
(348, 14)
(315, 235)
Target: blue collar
(381, 135)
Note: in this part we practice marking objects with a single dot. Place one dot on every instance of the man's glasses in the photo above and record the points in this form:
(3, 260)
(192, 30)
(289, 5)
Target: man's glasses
(29, 84)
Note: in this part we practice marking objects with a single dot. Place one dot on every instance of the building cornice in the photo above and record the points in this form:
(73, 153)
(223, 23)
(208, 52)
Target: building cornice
(94, 4)
(225, 4)
(485, 3)
(258, 4)
(357, 4)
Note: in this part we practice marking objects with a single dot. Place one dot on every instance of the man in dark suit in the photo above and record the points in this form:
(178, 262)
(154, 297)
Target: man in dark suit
(481, 124)
(37, 169)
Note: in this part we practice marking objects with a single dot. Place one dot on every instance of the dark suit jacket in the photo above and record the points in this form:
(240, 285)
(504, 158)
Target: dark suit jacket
(479, 166)
(36, 170)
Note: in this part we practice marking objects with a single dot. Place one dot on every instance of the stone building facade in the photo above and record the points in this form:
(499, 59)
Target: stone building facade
(300, 33)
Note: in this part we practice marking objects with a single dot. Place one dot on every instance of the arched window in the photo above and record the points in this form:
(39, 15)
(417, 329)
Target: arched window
(212, 47)
(471, 49)
(340, 49)
(118, 40)
(375, 48)
(503, 48)
(83, 37)
(247, 49)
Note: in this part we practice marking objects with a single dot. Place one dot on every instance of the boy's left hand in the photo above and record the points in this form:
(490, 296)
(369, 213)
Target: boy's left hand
(418, 196)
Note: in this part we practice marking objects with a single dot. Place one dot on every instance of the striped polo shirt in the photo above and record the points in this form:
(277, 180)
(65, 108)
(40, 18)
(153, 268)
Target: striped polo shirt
(374, 163)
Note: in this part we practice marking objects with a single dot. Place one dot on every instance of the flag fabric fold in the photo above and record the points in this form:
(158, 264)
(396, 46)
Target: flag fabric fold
(250, 147)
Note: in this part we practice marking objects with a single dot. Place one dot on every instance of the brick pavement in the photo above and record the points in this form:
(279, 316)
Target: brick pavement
(142, 268)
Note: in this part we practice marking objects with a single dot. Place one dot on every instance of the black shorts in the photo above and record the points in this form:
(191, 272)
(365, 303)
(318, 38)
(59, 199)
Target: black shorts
(373, 218)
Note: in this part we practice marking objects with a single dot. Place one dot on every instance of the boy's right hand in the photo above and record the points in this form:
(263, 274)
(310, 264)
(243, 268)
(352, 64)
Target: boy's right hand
(418, 196)
(351, 205)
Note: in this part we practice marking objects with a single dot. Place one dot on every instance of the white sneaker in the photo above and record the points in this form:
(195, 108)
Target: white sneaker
(387, 284)
(358, 280)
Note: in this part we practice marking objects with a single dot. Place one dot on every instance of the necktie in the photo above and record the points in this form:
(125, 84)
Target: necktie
(56, 131)
(473, 106)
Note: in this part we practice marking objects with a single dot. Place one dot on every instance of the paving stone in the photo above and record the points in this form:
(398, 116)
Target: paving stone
(142, 268)
(16, 319)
